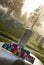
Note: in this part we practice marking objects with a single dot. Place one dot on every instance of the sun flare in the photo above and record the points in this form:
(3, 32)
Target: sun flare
(30, 5)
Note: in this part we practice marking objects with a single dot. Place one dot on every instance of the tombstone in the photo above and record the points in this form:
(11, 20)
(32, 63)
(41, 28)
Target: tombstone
(17, 25)
(25, 37)
(41, 42)
(10, 23)
(38, 37)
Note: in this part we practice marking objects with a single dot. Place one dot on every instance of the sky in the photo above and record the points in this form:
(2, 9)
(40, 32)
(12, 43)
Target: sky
(30, 5)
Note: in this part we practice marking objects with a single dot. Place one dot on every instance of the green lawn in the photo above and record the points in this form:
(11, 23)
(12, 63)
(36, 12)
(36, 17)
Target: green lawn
(39, 56)
(13, 34)
(32, 43)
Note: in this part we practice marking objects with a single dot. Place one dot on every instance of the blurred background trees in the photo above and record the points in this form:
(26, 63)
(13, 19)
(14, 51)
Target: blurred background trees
(13, 24)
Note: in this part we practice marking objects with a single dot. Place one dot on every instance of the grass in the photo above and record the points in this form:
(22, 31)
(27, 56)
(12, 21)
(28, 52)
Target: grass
(2, 38)
(13, 34)
(12, 31)
(39, 56)
(32, 43)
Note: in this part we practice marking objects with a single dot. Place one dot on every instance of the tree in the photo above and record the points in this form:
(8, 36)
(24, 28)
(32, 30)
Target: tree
(15, 5)
(35, 16)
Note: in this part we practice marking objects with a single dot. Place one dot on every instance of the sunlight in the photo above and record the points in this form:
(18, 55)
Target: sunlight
(30, 5)
(42, 24)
